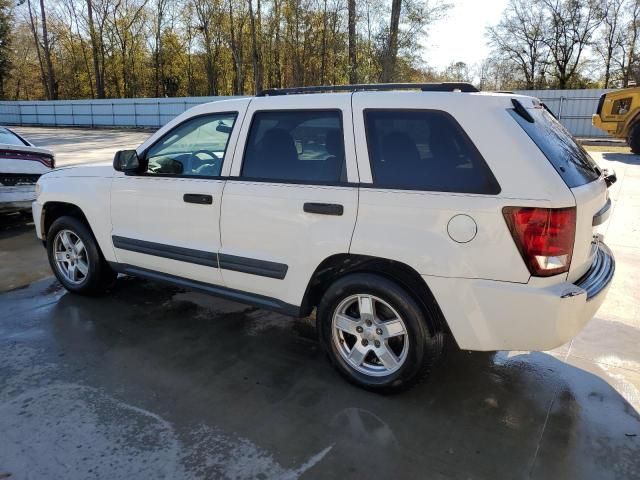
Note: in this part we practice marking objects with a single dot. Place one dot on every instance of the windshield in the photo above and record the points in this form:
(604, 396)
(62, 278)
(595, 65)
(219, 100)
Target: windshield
(570, 160)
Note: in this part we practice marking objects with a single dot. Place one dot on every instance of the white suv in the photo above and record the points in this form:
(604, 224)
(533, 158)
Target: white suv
(399, 215)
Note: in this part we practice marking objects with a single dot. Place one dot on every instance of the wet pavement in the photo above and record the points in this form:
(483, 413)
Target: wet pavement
(156, 382)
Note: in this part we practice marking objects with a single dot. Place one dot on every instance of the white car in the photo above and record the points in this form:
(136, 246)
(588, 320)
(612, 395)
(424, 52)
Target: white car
(400, 216)
(21, 164)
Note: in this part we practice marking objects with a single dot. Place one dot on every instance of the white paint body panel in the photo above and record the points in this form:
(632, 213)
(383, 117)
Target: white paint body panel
(31, 167)
(152, 209)
(266, 221)
(87, 187)
(590, 198)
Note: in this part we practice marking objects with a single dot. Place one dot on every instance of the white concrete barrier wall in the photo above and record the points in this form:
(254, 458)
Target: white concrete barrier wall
(126, 112)
(573, 108)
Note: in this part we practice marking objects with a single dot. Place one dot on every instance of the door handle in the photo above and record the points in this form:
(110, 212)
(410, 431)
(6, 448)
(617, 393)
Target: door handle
(324, 208)
(198, 198)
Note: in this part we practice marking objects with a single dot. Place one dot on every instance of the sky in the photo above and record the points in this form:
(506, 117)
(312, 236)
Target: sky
(460, 35)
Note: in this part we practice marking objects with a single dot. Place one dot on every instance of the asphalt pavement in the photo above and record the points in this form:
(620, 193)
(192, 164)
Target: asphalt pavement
(156, 382)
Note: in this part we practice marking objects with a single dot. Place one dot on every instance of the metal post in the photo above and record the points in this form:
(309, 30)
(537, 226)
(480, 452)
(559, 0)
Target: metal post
(560, 109)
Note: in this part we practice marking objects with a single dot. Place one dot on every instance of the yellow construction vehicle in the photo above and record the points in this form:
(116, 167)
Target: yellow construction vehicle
(618, 114)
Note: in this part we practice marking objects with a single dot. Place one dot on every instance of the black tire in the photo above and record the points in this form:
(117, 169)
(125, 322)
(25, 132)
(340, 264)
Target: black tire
(423, 347)
(634, 139)
(99, 277)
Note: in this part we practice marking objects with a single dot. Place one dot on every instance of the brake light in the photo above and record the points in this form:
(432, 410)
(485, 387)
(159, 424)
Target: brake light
(544, 236)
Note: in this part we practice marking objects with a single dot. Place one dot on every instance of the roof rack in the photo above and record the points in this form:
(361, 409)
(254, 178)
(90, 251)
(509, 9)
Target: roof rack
(365, 87)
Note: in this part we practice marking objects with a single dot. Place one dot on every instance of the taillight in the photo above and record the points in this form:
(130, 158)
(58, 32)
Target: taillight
(46, 160)
(544, 236)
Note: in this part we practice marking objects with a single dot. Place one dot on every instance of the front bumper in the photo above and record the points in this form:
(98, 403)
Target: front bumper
(490, 315)
(16, 198)
(36, 210)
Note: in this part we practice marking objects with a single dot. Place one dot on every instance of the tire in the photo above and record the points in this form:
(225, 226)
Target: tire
(414, 351)
(634, 139)
(98, 277)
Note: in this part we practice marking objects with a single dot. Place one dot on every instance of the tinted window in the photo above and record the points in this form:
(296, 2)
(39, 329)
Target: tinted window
(296, 145)
(194, 148)
(425, 150)
(9, 138)
(570, 160)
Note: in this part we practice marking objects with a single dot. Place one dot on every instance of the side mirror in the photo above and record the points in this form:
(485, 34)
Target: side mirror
(126, 161)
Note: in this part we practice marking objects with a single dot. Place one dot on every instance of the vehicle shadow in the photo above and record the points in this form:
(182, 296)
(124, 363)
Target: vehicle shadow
(264, 377)
(13, 224)
(628, 158)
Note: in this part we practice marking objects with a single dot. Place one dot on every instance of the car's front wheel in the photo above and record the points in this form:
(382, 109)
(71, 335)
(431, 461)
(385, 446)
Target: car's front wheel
(75, 257)
(375, 333)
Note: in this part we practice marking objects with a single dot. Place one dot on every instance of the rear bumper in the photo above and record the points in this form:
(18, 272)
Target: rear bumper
(491, 315)
(16, 198)
(600, 273)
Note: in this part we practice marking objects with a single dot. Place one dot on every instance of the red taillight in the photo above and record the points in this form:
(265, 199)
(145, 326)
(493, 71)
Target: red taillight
(544, 236)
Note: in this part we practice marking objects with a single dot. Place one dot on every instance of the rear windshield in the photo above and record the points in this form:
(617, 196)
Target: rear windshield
(570, 160)
(9, 138)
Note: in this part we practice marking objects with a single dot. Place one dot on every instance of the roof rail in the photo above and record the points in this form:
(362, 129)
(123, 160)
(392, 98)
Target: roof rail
(363, 87)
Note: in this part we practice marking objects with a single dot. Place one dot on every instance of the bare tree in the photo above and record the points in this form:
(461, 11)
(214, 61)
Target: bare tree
(51, 76)
(611, 36)
(36, 38)
(570, 25)
(625, 60)
(519, 38)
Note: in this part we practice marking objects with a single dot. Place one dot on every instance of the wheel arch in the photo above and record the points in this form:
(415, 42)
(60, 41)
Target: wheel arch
(336, 266)
(630, 123)
(53, 210)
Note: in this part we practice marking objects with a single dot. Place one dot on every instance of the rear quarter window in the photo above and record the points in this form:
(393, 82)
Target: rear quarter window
(570, 160)
(424, 150)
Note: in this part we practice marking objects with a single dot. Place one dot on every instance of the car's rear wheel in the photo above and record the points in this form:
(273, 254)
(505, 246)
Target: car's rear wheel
(634, 139)
(75, 257)
(375, 333)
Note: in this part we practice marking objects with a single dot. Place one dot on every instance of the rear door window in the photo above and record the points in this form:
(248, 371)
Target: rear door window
(424, 150)
(570, 160)
(303, 146)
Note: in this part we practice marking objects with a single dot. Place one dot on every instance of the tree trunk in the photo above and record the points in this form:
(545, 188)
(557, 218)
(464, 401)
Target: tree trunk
(391, 53)
(323, 52)
(97, 71)
(51, 77)
(36, 39)
(278, 70)
(353, 60)
(257, 48)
